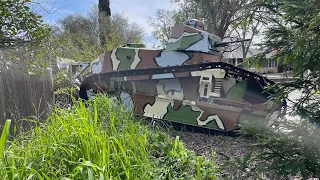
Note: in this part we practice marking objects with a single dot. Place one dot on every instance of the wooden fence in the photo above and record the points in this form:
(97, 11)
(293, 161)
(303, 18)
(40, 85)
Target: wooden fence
(23, 95)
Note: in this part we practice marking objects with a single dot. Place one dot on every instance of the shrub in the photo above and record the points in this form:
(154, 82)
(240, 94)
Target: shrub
(289, 149)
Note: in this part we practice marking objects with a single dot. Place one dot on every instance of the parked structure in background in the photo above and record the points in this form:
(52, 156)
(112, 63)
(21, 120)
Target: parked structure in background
(75, 67)
(236, 58)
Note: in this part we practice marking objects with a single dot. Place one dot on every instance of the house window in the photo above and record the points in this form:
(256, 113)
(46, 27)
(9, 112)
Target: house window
(212, 84)
(271, 63)
(205, 91)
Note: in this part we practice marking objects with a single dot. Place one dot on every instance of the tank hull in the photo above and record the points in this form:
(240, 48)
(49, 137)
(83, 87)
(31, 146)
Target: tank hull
(185, 82)
(213, 95)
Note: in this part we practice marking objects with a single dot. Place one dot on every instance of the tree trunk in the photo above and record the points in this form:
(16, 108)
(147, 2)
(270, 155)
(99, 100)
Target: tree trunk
(104, 14)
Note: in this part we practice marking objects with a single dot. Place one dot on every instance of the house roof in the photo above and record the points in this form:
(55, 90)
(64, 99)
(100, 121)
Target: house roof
(64, 62)
(237, 53)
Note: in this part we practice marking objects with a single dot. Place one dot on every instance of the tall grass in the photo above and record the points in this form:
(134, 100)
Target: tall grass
(98, 140)
(4, 134)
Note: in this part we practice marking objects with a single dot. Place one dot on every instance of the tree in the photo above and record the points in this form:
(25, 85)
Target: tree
(162, 22)
(294, 31)
(73, 24)
(104, 14)
(128, 32)
(290, 147)
(221, 17)
(218, 15)
(104, 7)
(23, 36)
(78, 37)
(19, 25)
(246, 27)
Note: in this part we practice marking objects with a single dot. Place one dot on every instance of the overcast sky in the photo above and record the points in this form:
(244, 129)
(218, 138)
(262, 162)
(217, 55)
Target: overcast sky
(139, 11)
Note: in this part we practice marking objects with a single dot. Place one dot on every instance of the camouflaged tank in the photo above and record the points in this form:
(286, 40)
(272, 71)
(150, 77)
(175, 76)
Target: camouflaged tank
(186, 82)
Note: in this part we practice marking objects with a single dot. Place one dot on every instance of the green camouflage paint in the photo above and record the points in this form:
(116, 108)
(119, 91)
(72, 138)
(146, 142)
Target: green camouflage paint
(126, 57)
(237, 91)
(185, 42)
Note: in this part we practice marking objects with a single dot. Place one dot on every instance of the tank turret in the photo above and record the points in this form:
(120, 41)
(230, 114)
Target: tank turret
(191, 36)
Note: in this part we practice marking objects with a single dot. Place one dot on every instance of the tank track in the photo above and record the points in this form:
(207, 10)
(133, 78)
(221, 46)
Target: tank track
(235, 72)
(231, 71)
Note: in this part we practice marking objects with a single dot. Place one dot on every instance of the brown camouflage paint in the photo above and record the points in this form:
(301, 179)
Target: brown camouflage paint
(190, 87)
(107, 62)
(140, 101)
(147, 87)
(198, 58)
(181, 74)
(176, 104)
(179, 29)
(140, 77)
(228, 114)
(148, 59)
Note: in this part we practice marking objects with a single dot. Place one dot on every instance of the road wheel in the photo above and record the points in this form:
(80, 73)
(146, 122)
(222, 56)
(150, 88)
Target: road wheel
(94, 89)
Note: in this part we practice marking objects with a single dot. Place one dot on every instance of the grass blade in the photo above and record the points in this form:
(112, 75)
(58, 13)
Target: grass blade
(4, 135)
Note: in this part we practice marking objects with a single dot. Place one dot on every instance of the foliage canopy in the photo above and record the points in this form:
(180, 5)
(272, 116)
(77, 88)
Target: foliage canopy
(291, 146)
(294, 32)
(19, 25)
